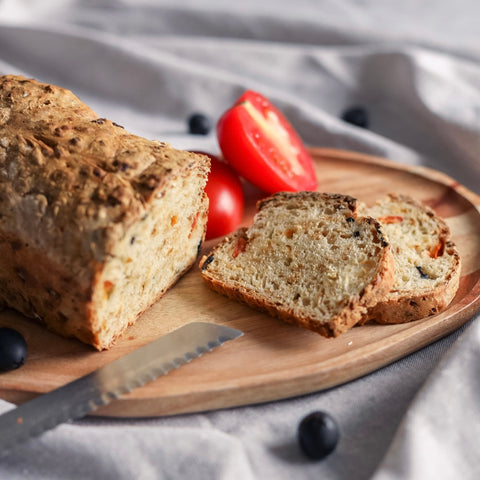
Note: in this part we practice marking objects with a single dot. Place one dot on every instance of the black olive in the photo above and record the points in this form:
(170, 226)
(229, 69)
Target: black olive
(13, 349)
(199, 124)
(357, 116)
(318, 435)
(421, 272)
(207, 262)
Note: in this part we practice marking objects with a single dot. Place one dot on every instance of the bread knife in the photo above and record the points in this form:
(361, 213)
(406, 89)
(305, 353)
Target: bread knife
(84, 395)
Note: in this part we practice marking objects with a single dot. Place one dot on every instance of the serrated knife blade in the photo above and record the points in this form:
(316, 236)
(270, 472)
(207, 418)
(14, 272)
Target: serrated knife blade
(84, 395)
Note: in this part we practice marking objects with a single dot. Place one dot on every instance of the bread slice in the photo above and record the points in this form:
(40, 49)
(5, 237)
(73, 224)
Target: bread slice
(95, 223)
(427, 263)
(307, 259)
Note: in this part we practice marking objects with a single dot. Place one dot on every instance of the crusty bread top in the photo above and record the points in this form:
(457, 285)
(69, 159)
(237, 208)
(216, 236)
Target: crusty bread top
(64, 170)
(308, 259)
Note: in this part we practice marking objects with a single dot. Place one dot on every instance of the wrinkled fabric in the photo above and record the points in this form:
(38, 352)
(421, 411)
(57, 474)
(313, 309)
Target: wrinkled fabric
(415, 66)
(442, 421)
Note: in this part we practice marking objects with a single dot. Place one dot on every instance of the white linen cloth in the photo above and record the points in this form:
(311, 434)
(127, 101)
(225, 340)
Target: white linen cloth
(148, 65)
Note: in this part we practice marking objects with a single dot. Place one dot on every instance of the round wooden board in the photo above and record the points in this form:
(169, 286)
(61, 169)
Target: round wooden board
(272, 360)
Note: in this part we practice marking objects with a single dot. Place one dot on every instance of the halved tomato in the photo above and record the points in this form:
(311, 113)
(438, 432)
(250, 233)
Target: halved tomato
(261, 145)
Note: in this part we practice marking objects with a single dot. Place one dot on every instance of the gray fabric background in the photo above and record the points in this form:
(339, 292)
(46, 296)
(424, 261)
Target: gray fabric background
(148, 64)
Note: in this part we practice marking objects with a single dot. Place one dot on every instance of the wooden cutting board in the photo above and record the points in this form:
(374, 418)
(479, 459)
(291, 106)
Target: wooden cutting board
(272, 360)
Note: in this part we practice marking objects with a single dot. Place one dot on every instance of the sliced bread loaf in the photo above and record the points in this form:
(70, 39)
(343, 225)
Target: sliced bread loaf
(307, 259)
(95, 223)
(427, 263)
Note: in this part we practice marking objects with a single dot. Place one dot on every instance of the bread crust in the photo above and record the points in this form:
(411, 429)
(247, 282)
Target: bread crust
(350, 314)
(71, 185)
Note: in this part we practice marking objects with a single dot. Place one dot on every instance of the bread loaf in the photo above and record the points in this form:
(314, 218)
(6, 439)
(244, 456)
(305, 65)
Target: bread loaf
(427, 263)
(95, 223)
(308, 258)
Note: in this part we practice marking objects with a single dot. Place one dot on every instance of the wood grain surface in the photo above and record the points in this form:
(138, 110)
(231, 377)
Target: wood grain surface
(272, 360)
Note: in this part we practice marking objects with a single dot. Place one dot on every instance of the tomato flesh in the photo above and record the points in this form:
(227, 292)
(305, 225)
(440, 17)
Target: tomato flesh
(226, 200)
(261, 145)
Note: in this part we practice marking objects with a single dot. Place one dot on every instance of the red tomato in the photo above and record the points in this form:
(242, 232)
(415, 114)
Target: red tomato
(225, 195)
(262, 146)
